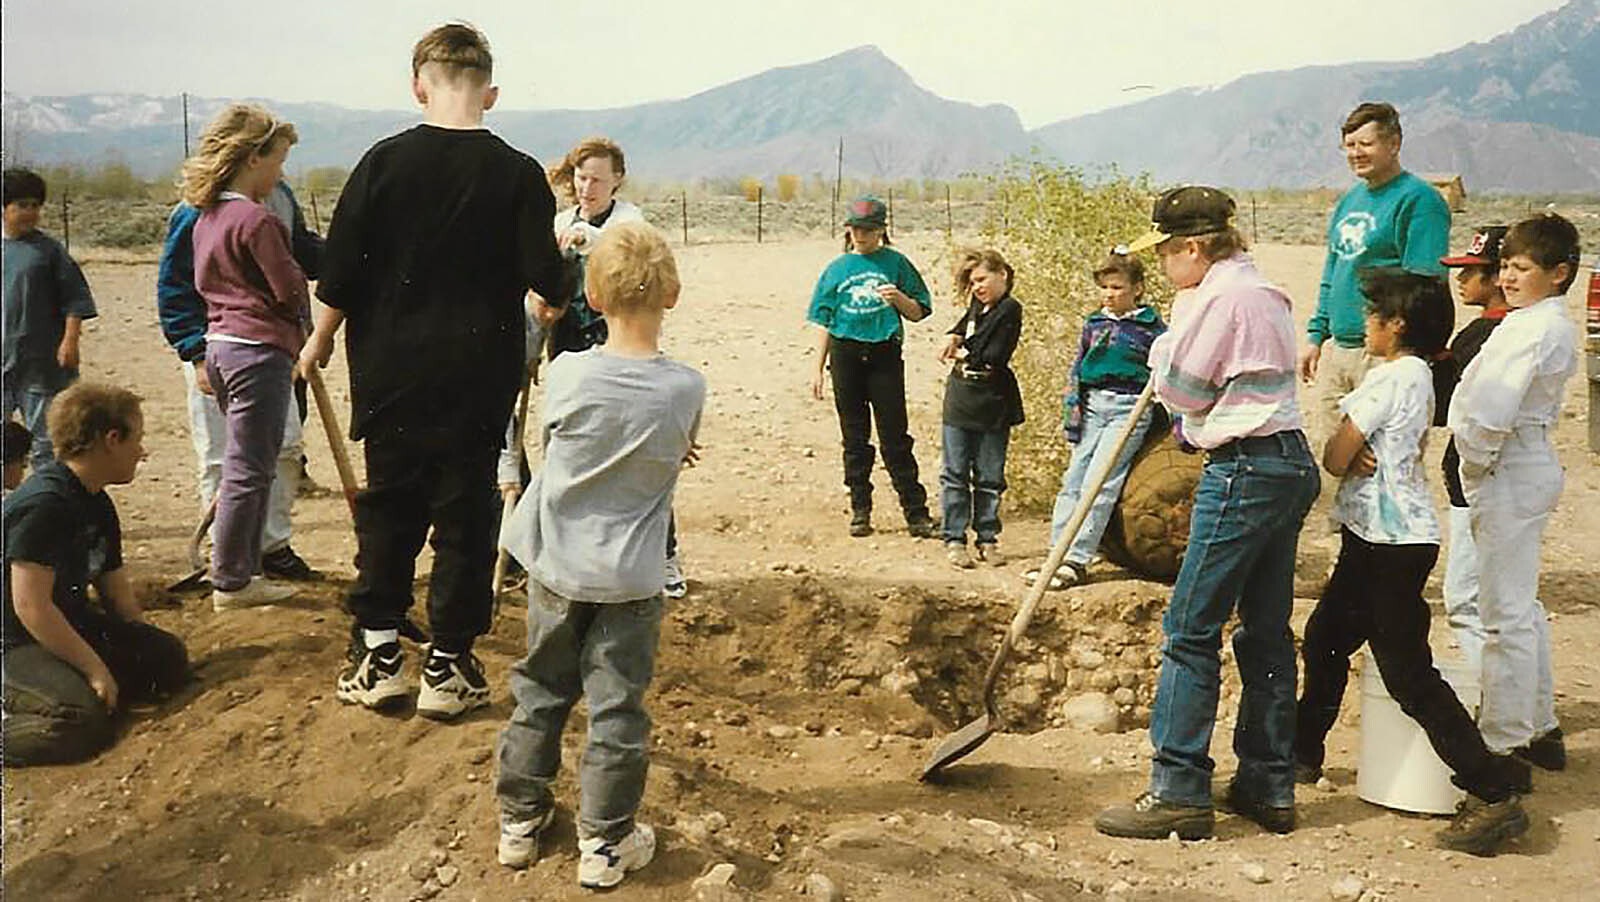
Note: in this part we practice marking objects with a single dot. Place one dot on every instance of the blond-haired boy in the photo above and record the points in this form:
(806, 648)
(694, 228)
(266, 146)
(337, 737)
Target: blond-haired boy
(439, 233)
(619, 420)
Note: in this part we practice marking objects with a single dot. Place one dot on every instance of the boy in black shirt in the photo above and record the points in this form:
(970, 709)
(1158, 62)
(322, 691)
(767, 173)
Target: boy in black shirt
(70, 665)
(1477, 282)
(438, 235)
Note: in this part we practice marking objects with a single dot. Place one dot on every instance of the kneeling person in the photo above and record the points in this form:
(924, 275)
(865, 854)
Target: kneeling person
(69, 665)
(619, 421)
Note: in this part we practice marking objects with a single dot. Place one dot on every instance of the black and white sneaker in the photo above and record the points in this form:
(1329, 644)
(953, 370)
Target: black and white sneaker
(452, 684)
(373, 677)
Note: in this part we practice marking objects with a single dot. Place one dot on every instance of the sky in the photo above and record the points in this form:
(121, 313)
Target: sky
(1048, 60)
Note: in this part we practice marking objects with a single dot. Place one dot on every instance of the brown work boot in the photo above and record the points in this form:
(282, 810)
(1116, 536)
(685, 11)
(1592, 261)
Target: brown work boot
(1150, 818)
(1548, 751)
(1481, 828)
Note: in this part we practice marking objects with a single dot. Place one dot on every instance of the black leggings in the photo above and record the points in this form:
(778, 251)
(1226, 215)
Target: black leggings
(869, 382)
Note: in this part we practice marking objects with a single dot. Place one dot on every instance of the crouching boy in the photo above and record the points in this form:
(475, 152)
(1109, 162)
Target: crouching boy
(69, 665)
(619, 420)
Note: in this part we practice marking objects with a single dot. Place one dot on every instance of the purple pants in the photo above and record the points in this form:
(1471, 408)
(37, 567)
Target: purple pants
(252, 383)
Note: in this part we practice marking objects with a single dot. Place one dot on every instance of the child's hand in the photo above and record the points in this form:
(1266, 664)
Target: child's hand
(104, 685)
(202, 379)
(1364, 464)
(947, 354)
(544, 313)
(817, 385)
(67, 354)
(892, 294)
(693, 456)
(1310, 357)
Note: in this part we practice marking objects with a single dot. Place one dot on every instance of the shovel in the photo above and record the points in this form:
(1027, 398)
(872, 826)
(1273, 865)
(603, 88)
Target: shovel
(198, 566)
(509, 501)
(330, 426)
(963, 741)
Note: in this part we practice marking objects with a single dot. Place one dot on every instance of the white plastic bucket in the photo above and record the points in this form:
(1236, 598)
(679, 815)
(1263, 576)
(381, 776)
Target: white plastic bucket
(1398, 768)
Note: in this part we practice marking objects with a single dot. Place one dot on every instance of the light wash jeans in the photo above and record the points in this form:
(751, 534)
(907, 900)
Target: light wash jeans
(1509, 510)
(972, 481)
(605, 653)
(1461, 588)
(208, 432)
(1243, 534)
(1104, 412)
(31, 398)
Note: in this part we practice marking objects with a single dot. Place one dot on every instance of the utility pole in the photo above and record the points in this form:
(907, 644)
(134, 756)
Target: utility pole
(186, 125)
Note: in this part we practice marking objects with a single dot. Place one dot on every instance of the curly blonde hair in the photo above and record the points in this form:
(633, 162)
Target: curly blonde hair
(240, 131)
(631, 269)
(597, 146)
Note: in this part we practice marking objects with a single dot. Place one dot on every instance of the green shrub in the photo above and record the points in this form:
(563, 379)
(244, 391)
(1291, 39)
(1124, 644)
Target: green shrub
(1053, 225)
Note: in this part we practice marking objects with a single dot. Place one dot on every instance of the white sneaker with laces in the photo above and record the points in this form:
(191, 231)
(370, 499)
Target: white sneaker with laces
(603, 864)
(519, 840)
(255, 593)
(675, 585)
(452, 684)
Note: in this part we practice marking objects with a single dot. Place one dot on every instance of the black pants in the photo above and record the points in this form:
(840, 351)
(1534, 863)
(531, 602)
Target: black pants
(51, 714)
(1375, 596)
(417, 480)
(869, 382)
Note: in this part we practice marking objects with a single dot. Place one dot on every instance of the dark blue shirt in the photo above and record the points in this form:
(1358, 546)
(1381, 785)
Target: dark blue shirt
(43, 286)
(53, 521)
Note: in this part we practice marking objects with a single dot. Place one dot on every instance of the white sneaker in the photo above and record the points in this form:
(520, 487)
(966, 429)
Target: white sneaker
(451, 686)
(603, 864)
(255, 593)
(675, 585)
(519, 840)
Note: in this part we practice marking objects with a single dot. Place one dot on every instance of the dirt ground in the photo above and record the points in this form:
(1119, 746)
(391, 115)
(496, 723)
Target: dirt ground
(801, 685)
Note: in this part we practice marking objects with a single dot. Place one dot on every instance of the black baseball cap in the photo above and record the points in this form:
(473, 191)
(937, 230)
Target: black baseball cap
(1484, 249)
(1189, 210)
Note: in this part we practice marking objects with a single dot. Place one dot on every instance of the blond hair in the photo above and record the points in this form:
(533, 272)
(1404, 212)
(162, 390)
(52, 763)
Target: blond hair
(631, 269)
(240, 131)
(968, 259)
(596, 146)
(459, 49)
(1215, 246)
(85, 412)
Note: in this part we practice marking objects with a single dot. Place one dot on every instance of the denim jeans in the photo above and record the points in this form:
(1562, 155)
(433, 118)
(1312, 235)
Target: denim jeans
(51, 714)
(1104, 412)
(255, 392)
(972, 481)
(208, 433)
(605, 653)
(31, 397)
(1248, 508)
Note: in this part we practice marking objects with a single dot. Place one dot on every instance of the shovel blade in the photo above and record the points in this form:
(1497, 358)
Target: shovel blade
(958, 744)
(194, 580)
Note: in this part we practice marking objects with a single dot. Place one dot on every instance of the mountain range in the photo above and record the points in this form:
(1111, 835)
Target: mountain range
(1517, 113)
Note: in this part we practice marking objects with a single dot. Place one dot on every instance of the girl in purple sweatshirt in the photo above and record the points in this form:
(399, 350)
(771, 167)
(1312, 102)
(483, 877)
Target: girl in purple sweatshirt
(257, 309)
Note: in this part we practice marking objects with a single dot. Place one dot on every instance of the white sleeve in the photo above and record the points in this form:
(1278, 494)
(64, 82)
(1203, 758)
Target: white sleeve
(1486, 402)
(1371, 405)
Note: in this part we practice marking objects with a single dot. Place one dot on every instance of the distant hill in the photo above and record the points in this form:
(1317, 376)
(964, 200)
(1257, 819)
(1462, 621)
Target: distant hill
(1519, 113)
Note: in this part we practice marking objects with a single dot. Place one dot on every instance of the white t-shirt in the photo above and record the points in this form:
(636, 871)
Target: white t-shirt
(1392, 407)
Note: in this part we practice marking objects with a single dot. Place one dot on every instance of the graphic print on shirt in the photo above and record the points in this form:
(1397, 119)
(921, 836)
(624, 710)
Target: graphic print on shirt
(861, 290)
(1353, 230)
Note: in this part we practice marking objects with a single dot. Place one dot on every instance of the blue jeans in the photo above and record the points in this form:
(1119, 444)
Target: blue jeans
(606, 653)
(31, 396)
(973, 478)
(1104, 413)
(1253, 496)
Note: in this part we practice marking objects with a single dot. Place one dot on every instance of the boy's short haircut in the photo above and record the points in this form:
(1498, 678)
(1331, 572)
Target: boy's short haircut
(970, 258)
(1125, 265)
(18, 184)
(1549, 240)
(86, 412)
(18, 442)
(595, 146)
(631, 269)
(1387, 117)
(459, 49)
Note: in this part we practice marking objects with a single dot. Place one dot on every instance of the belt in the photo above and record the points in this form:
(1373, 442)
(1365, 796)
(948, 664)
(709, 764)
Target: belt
(1288, 443)
(975, 375)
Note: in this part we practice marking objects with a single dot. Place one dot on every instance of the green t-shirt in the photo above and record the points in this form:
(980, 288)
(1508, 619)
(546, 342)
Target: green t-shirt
(846, 301)
(1404, 222)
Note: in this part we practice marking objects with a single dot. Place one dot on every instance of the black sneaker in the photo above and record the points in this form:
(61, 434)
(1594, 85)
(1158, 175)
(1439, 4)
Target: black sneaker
(1272, 818)
(1150, 818)
(373, 677)
(285, 564)
(452, 685)
(1480, 827)
(1548, 751)
(921, 526)
(860, 523)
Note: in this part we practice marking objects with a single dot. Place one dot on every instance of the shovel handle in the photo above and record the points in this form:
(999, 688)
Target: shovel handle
(330, 426)
(1019, 623)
